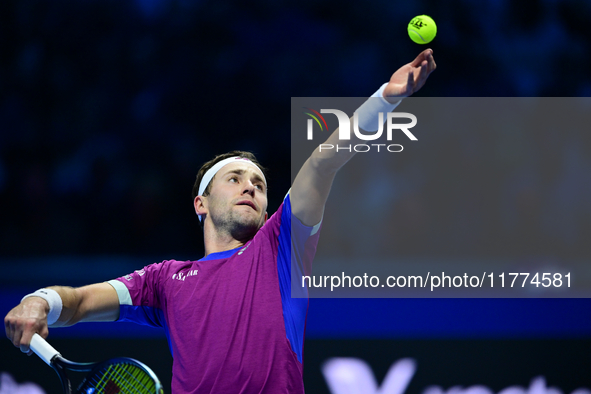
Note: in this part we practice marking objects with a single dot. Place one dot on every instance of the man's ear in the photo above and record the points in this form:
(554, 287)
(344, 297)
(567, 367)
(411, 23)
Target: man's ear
(266, 217)
(200, 204)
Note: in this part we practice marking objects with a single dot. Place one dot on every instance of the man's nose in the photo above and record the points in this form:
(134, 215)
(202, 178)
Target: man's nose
(248, 188)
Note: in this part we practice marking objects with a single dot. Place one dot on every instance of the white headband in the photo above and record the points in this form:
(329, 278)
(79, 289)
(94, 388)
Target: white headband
(218, 166)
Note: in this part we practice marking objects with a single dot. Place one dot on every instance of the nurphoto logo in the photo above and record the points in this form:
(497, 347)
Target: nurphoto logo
(345, 130)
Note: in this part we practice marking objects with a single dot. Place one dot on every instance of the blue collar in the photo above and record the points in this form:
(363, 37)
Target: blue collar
(221, 255)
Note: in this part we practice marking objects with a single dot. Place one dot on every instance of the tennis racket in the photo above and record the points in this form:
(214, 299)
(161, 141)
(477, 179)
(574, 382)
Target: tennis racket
(114, 376)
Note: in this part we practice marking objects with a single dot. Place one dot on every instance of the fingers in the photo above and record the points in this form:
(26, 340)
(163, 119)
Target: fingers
(19, 332)
(7, 328)
(27, 335)
(22, 334)
(430, 61)
(432, 65)
(422, 57)
(416, 78)
(21, 323)
(13, 331)
(426, 67)
(26, 341)
(24, 345)
(410, 83)
(426, 58)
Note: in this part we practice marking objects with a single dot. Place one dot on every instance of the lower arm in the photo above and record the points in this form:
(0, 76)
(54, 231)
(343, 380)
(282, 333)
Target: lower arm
(71, 300)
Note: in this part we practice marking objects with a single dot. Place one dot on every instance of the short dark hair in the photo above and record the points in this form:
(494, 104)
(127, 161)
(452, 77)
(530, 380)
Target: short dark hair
(235, 153)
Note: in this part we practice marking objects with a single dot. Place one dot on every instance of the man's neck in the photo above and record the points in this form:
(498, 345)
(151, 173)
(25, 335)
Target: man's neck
(216, 241)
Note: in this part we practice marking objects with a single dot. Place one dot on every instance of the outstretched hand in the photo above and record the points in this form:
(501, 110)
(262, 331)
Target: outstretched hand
(410, 77)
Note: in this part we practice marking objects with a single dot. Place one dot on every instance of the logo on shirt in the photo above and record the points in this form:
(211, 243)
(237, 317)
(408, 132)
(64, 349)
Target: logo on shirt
(183, 276)
(243, 249)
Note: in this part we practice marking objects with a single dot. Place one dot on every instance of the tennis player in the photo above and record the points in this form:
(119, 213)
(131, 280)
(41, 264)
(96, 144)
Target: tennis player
(230, 320)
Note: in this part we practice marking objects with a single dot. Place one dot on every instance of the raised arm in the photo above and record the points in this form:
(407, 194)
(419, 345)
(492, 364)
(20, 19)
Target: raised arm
(97, 302)
(312, 185)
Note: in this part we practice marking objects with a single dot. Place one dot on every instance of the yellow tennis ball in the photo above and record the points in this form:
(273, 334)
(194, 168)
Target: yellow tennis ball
(422, 29)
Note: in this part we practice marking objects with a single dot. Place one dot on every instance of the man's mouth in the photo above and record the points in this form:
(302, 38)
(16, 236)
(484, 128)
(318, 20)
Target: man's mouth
(248, 203)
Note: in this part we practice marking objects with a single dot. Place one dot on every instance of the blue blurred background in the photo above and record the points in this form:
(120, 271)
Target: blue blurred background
(108, 109)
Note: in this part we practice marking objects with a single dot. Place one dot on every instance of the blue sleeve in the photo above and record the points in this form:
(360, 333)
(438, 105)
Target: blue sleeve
(297, 246)
(145, 315)
(137, 300)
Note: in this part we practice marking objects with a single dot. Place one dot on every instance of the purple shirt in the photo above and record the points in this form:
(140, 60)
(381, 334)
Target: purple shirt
(231, 322)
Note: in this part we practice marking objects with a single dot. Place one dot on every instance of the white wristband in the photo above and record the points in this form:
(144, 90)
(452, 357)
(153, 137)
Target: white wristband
(53, 299)
(368, 112)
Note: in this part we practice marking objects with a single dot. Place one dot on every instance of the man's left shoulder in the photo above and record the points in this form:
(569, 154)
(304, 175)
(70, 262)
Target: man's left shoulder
(273, 225)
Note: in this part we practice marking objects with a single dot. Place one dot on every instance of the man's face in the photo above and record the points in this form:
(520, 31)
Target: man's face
(238, 200)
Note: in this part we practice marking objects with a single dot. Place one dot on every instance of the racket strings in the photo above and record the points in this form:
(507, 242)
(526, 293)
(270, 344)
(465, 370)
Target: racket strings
(118, 379)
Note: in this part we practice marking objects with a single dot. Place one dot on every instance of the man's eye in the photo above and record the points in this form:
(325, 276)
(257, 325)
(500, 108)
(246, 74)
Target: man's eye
(233, 179)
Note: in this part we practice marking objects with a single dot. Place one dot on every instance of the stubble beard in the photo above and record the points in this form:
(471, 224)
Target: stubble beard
(240, 227)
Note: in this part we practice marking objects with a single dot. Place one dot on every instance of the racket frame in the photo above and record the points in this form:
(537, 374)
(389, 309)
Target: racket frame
(60, 364)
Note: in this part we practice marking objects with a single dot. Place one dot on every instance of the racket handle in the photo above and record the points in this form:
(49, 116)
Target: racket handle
(43, 349)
